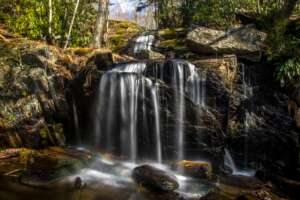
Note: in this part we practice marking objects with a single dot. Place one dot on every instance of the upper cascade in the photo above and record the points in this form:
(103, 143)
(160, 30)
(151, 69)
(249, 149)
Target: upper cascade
(134, 67)
(143, 42)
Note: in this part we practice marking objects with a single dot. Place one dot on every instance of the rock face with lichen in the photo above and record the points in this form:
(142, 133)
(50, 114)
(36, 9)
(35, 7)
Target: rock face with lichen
(244, 41)
(32, 97)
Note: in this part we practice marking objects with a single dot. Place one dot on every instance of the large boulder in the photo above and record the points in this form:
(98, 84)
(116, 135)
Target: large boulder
(154, 179)
(244, 41)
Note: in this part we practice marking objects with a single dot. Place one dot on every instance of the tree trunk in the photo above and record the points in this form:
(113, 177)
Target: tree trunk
(49, 37)
(71, 25)
(101, 23)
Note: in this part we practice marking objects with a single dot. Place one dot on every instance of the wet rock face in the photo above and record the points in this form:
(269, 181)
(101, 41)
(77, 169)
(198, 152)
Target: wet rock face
(260, 128)
(243, 41)
(32, 100)
(154, 179)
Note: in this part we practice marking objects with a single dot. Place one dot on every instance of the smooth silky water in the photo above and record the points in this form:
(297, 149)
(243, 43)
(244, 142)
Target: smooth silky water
(122, 100)
(124, 97)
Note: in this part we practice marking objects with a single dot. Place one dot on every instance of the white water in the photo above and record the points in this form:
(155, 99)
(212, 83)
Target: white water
(155, 101)
(118, 106)
(229, 162)
(134, 67)
(122, 93)
(143, 42)
(196, 85)
(185, 79)
(178, 86)
(118, 175)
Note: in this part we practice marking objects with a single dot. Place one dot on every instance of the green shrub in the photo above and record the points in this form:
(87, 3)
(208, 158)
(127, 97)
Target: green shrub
(288, 71)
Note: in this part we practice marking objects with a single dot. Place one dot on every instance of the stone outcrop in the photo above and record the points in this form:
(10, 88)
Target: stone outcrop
(245, 41)
(32, 101)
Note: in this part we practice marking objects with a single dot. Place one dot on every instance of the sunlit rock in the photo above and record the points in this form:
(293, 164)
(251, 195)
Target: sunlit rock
(244, 41)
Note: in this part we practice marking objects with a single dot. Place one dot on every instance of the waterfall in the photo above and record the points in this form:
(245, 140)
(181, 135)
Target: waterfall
(196, 87)
(134, 67)
(248, 118)
(128, 105)
(155, 101)
(143, 42)
(178, 85)
(186, 81)
(229, 162)
(117, 109)
(118, 90)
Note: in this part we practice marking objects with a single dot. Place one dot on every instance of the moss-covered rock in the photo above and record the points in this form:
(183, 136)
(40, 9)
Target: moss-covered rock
(120, 32)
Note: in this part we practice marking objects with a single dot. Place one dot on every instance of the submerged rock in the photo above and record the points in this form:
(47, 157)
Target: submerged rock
(154, 179)
(244, 41)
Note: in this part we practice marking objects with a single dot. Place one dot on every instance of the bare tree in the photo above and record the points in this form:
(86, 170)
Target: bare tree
(101, 23)
(71, 25)
(50, 16)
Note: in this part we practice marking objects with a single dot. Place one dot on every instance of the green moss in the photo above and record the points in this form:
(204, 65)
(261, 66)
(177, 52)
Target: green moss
(173, 33)
(175, 43)
(173, 39)
(53, 133)
(26, 157)
(120, 32)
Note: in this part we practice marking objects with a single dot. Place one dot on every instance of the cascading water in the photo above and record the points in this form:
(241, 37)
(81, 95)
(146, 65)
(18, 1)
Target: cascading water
(123, 106)
(143, 42)
(155, 101)
(248, 119)
(185, 81)
(117, 110)
(229, 162)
